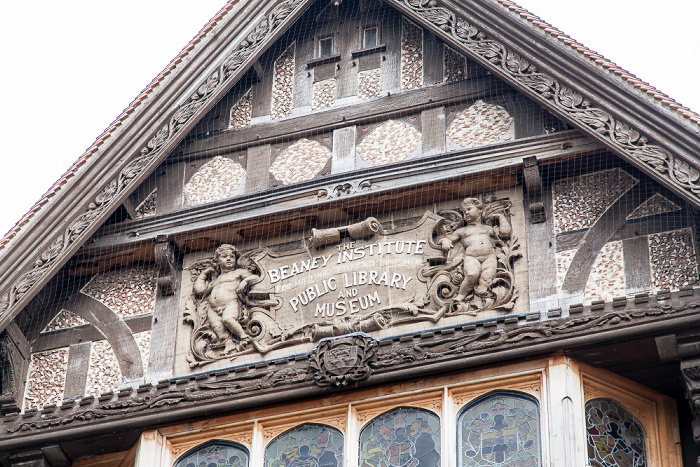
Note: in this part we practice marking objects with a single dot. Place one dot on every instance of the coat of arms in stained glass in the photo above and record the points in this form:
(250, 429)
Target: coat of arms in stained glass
(218, 454)
(404, 437)
(615, 438)
(306, 446)
(500, 430)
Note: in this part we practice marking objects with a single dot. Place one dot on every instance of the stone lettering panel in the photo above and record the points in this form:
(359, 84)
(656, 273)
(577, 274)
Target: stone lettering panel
(446, 267)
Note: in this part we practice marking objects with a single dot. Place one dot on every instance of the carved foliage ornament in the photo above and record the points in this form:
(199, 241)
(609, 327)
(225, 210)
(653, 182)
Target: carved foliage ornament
(148, 154)
(677, 171)
(342, 361)
(354, 278)
(237, 385)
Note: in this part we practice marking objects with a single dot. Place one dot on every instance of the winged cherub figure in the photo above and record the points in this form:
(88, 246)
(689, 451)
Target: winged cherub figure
(221, 285)
(479, 260)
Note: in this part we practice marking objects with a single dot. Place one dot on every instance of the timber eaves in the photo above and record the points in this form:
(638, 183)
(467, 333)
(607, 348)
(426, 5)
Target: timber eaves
(491, 341)
(375, 180)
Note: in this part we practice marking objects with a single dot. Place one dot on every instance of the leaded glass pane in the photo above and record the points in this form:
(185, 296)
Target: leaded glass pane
(500, 430)
(306, 446)
(215, 455)
(615, 438)
(404, 437)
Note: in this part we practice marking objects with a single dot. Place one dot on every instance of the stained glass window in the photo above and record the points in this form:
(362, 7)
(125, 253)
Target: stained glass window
(306, 446)
(218, 454)
(502, 429)
(404, 437)
(614, 436)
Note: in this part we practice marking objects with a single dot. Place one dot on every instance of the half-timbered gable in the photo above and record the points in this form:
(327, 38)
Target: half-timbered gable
(364, 233)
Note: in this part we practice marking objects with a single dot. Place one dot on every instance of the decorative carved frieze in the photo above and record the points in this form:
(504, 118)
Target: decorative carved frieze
(452, 348)
(77, 230)
(342, 190)
(354, 278)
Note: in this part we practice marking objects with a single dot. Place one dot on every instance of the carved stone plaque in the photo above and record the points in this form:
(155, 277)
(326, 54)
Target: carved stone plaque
(353, 278)
(344, 360)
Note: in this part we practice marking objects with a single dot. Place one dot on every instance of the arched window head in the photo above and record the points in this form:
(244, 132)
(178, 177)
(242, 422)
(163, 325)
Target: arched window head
(215, 454)
(501, 429)
(614, 436)
(306, 446)
(403, 437)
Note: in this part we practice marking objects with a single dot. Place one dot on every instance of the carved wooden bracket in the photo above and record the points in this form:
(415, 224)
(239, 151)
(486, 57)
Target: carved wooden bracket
(533, 185)
(165, 264)
(14, 361)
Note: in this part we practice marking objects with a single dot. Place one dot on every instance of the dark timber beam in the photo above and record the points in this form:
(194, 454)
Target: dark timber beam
(114, 329)
(418, 174)
(595, 238)
(323, 121)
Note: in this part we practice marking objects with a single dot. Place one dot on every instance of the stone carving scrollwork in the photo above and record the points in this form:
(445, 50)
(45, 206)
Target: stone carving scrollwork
(148, 154)
(342, 361)
(344, 189)
(476, 274)
(357, 278)
(618, 133)
(225, 319)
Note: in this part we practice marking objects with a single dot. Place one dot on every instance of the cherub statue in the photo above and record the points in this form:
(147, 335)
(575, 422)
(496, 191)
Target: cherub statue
(222, 285)
(479, 260)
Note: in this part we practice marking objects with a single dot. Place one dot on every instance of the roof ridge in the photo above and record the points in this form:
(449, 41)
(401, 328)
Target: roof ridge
(131, 108)
(599, 59)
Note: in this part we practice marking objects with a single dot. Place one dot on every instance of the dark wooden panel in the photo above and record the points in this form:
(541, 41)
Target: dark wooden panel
(344, 150)
(161, 360)
(87, 333)
(433, 131)
(258, 169)
(541, 259)
(78, 365)
(432, 59)
(637, 270)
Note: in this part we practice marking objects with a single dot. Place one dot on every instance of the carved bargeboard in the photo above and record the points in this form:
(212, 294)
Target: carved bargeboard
(355, 278)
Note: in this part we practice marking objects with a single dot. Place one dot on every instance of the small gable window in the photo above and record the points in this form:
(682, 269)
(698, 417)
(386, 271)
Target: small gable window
(370, 37)
(325, 46)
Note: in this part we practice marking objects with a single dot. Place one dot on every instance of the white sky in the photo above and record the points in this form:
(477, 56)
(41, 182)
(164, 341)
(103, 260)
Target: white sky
(70, 68)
